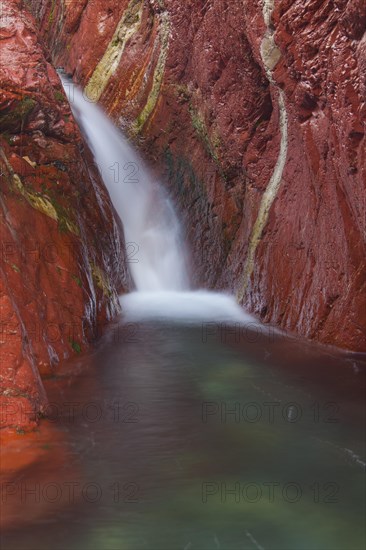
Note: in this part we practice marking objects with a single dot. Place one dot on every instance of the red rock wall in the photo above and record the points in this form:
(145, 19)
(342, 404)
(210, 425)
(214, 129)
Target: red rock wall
(60, 251)
(254, 110)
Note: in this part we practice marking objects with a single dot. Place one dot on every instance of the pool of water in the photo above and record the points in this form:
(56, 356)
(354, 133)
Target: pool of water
(178, 436)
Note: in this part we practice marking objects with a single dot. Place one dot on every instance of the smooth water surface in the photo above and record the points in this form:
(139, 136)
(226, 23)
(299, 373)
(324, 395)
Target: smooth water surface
(199, 437)
(192, 426)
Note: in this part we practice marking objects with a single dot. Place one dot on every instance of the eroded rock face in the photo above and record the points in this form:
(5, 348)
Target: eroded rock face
(61, 253)
(255, 113)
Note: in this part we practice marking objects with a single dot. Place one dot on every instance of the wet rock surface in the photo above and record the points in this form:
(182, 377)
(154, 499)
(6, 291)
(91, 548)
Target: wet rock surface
(61, 251)
(197, 84)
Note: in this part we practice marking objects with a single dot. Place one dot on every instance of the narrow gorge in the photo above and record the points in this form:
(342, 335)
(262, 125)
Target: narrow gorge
(209, 92)
(183, 232)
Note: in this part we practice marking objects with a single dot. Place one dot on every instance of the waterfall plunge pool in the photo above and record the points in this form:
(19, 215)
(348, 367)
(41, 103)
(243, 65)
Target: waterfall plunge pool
(191, 426)
(204, 436)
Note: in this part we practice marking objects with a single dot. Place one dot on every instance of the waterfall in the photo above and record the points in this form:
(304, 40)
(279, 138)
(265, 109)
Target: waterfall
(151, 228)
(157, 259)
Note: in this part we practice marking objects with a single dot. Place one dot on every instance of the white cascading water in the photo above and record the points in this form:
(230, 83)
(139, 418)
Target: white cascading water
(150, 226)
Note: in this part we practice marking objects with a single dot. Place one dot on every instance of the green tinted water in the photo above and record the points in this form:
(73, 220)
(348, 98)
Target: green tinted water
(177, 441)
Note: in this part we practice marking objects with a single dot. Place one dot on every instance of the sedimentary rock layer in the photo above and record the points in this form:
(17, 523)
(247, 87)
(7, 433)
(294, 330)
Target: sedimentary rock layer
(254, 110)
(60, 248)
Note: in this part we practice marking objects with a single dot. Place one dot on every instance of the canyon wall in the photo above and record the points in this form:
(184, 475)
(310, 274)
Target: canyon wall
(254, 112)
(60, 250)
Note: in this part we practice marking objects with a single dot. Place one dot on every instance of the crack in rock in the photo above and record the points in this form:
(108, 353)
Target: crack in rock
(270, 54)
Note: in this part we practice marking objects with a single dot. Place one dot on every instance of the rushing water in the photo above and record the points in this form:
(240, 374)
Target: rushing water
(150, 225)
(149, 221)
(191, 426)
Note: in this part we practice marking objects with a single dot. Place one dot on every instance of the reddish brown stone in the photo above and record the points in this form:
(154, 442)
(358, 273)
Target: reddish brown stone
(60, 269)
(214, 132)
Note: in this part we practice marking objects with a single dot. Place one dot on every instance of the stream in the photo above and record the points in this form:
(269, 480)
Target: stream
(190, 426)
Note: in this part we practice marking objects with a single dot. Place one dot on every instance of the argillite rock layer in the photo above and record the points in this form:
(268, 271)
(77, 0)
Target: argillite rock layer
(60, 250)
(254, 110)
